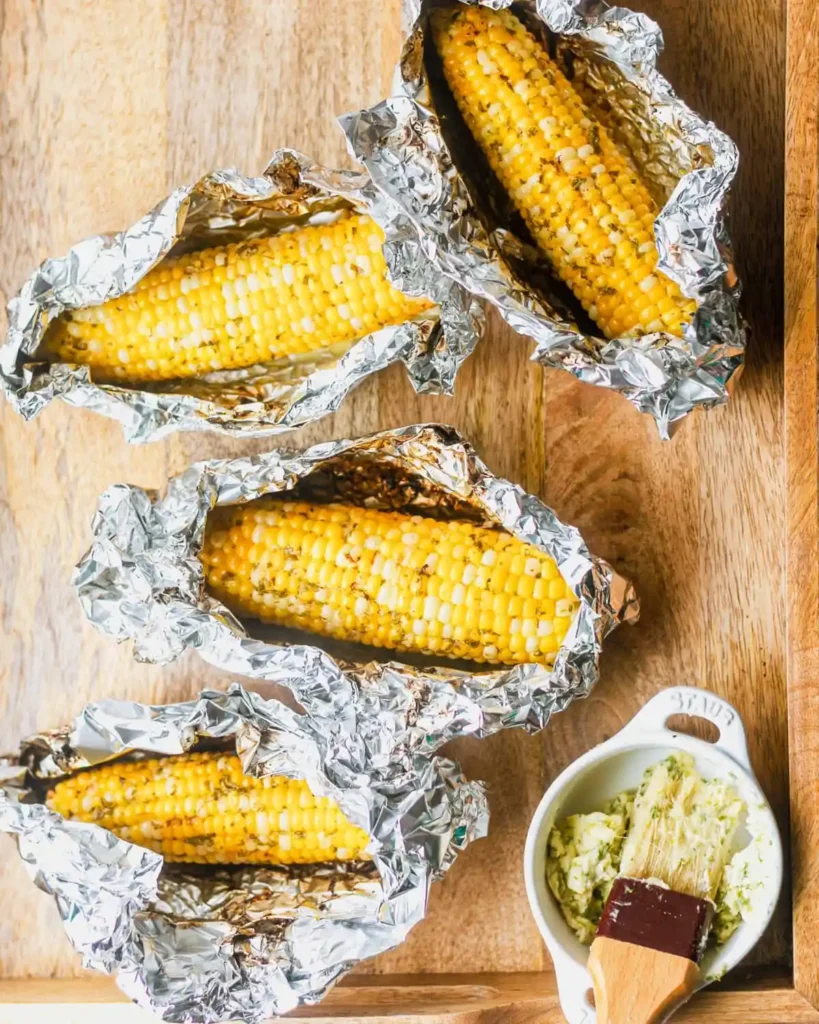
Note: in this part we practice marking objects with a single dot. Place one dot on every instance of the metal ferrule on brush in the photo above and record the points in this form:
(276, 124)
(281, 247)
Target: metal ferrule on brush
(649, 914)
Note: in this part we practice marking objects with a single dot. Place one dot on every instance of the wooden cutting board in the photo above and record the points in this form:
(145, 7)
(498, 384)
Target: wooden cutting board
(104, 107)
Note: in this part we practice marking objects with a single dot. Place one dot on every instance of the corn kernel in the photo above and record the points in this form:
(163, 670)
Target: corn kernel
(415, 570)
(130, 799)
(568, 179)
(216, 315)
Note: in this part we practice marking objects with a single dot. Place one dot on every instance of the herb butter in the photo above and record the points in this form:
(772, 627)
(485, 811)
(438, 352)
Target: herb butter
(583, 859)
(746, 876)
(586, 852)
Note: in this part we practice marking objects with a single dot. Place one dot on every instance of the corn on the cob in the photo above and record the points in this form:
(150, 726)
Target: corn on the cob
(233, 306)
(407, 583)
(586, 208)
(203, 809)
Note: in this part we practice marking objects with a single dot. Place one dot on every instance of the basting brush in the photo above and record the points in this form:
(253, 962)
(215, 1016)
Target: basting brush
(645, 958)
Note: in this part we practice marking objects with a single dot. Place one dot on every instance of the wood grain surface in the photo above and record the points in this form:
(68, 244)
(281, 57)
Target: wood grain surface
(802, 428)
(523, 998)
(105, 106)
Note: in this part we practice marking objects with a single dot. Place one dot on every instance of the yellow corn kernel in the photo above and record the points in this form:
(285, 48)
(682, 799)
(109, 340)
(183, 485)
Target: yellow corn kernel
(238, 305)
(585, 206)
(399, 590)
(202, 809)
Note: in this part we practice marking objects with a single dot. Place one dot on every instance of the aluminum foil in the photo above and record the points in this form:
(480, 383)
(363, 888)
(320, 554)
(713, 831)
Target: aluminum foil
(268, 398)
(142, 581)
(208, 944)
(462, 222)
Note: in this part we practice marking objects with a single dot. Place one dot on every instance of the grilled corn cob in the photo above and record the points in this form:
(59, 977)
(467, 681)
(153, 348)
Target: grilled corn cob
(586, 208)
(407, 583)
(233, 306)
(203, 809)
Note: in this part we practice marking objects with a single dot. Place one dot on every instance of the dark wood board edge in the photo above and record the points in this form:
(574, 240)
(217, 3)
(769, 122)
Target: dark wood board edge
(515, 998)
(802, 462)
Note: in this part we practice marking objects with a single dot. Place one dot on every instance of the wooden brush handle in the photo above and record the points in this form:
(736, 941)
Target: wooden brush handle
(637, 985)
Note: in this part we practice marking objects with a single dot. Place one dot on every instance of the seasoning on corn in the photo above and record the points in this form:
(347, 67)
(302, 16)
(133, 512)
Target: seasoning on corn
(237, 305)
(407, 583)
(203, 809)
(585, 206)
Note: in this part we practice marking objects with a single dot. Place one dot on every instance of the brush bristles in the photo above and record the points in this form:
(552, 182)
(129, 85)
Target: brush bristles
(682, 828)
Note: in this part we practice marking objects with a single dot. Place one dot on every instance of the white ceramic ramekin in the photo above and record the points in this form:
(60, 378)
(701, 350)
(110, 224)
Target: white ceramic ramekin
(619, 764)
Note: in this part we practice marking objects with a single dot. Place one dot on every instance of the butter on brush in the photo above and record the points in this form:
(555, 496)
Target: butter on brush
(645, 958)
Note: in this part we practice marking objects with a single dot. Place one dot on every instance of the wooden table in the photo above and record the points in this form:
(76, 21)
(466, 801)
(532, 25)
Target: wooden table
(107, 104)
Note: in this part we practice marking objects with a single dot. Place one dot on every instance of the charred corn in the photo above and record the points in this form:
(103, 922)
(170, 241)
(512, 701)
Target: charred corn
(203, 809)
(406, 583)
(585, 206)
(237, 305)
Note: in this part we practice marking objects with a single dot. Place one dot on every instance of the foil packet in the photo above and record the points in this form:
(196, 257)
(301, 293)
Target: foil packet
(142, 581)
(222, 208)
(421, 155)
(208, 944)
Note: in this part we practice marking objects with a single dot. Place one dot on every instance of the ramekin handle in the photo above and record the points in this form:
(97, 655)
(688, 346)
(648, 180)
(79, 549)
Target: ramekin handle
(573, 988)
(689, 700)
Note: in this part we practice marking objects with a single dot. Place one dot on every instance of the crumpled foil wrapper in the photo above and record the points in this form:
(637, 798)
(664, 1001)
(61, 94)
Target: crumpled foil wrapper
(209, 944)
(142, 580)
(462, 222)
(269, 398)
